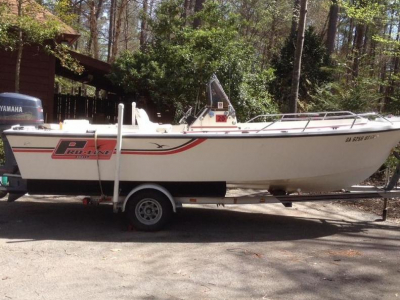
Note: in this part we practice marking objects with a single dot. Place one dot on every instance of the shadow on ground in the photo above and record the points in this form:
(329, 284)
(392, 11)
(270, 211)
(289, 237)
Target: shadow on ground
(26, 221)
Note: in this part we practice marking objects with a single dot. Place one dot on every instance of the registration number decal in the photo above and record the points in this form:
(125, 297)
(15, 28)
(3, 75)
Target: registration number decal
(362, 138)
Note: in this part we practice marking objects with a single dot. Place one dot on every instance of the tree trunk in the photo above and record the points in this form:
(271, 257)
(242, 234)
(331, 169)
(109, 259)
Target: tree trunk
(338, 40)
(117, 32)
(111, 29)
(357, 51)
(371, 58)
(366, 39)
(186, 8)
(20, 46)
(92, 30)
(126, 27)
(393, 86)
(91, 17)
(332, 27)
(349, 37)
(396, 66)
(78, 12)
(143, 26)
(271, 43)
(94, 15)
(198, 6)
(151, 8)
(295, 17)
(294, 95)
(382, 74)
(388, 89)
(191, 5)
(98, 11)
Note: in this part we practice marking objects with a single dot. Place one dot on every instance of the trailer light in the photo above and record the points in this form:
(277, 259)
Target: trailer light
(193, 200)
(4, 181)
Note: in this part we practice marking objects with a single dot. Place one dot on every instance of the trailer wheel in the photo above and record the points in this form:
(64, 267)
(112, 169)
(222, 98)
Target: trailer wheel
(148, 210)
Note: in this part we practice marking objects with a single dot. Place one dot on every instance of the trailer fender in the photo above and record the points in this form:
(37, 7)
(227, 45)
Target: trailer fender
(151, 186)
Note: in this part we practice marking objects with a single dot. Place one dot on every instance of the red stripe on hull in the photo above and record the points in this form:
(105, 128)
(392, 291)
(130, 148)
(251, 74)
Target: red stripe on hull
(33, 150)
(167, 152)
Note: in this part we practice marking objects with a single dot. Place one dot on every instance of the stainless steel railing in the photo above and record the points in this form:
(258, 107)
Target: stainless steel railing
(317, 116)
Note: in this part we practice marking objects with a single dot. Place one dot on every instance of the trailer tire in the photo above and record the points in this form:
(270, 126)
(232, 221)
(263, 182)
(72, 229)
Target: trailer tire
(148, 210)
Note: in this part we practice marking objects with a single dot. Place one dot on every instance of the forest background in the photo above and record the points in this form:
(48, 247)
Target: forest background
(165, 51)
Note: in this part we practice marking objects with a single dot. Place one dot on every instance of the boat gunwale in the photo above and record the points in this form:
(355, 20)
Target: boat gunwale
(208, 135)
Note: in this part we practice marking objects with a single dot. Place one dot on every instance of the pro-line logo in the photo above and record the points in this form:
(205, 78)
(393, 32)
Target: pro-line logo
(84, 149)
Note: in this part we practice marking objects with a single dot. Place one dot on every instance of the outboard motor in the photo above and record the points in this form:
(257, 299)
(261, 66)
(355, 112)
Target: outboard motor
(16, 109)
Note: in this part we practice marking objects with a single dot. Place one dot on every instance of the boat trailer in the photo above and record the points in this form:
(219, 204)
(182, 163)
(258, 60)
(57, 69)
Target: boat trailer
(390, 191)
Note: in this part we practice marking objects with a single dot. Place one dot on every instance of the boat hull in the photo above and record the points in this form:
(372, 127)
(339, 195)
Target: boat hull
(309, 162)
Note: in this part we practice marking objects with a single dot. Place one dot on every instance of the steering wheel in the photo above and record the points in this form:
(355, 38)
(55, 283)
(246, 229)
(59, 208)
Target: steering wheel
(186, 115)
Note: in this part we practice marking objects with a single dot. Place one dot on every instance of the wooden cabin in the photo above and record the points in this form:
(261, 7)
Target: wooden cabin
(38, 69)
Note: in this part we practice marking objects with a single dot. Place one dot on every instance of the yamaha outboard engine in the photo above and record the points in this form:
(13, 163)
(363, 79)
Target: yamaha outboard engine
(16, 109)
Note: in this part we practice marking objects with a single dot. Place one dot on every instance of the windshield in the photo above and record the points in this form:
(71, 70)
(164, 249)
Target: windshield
(216, 95)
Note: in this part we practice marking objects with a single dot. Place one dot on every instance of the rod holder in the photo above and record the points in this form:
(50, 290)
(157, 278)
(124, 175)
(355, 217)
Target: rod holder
(118, 156)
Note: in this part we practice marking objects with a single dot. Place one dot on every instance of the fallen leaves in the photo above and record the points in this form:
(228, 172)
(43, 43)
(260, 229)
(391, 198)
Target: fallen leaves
(244, 252)
(344, 253)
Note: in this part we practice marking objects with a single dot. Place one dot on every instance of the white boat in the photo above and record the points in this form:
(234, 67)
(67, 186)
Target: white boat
(285, 153)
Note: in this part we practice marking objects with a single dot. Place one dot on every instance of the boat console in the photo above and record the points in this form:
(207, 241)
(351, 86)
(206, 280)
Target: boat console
(218, 115)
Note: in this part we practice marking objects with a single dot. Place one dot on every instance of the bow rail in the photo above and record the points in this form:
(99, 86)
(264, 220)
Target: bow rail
(318, 116)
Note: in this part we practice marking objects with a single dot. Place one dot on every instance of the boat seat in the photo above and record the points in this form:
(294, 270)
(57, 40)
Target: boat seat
(145, 124)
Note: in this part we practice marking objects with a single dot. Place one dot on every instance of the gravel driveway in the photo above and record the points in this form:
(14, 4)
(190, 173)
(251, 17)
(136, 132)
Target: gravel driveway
(54, 248)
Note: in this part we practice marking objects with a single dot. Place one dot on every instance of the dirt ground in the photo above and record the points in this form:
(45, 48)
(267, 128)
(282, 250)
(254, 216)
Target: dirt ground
(54, 248)
(375, 206)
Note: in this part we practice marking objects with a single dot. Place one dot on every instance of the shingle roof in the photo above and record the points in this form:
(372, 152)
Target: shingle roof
(42, 15)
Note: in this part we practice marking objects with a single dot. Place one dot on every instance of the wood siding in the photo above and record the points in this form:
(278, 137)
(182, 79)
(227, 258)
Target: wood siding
(37, 76)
